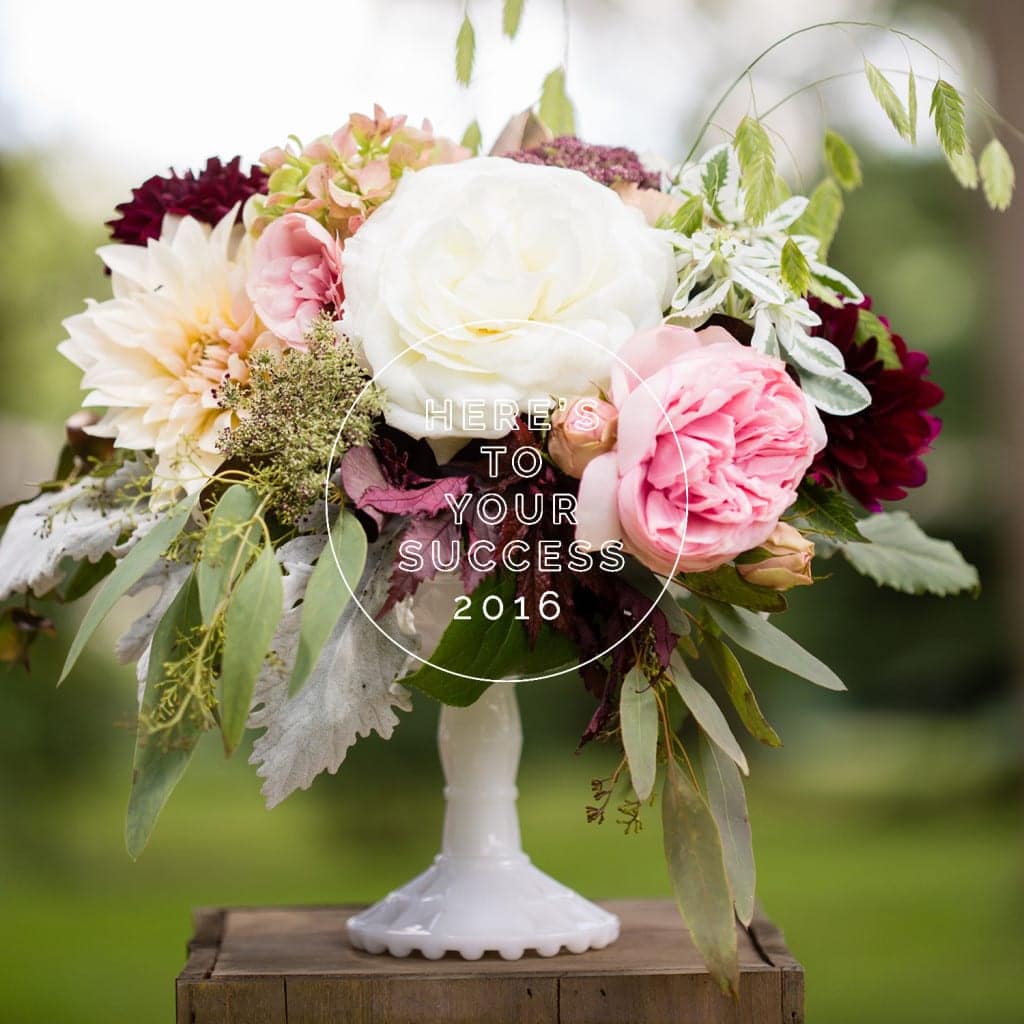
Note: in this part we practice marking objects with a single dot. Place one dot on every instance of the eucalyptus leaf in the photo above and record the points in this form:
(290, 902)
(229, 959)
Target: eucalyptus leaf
(250, 621)
(85, 576)
(638, 720)
(329, 590)
(902, 556)
(760, 637)
(231, 539)
(728, 803)
(696, 867)
(129, 571)
(162, 757)
(732, 677)
(706, 712)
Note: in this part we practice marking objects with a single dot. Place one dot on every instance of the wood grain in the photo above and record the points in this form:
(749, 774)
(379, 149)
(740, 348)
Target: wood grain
(294, 965)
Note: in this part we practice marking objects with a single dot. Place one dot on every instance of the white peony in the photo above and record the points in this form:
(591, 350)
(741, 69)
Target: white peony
(480, 278)
(179, 323)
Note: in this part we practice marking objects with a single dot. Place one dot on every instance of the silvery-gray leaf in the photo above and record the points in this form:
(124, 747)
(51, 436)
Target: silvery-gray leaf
(350, 692)
(82, 521)
(759, 285)
(705, 302)
(811, 353)
(837, 281)
(785, 214)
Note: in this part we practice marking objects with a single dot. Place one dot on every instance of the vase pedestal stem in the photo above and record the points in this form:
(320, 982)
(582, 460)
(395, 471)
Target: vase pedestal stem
(482, 894)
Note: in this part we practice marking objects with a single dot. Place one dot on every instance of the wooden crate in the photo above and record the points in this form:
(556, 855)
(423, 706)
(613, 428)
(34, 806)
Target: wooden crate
(279, 965)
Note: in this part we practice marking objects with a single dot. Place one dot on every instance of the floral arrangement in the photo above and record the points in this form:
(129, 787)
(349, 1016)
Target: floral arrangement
(383, 417)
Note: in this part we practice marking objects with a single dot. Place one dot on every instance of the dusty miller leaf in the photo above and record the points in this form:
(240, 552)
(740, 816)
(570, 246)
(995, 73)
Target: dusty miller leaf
(351, 690)
(638, 719)
(902, 556)
(82, 522)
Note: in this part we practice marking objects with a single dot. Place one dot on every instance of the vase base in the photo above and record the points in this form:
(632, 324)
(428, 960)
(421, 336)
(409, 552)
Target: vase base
(476, 905)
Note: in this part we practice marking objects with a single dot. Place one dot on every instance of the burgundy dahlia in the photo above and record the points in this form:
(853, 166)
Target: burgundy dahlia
(607, 165)
(207, 196)
(876, 454)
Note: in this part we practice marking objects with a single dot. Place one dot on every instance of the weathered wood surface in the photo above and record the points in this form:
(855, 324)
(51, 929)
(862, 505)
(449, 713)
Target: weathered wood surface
(280, 965)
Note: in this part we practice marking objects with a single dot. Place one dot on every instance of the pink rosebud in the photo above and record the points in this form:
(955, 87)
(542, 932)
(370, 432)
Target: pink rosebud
(783, 561)
(295, 273)
(713, 441)
(583, 430)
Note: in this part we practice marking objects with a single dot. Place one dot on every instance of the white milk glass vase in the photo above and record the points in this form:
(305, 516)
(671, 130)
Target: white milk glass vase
(482, 894)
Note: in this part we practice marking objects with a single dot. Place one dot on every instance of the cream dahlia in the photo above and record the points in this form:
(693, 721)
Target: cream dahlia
(155, 354)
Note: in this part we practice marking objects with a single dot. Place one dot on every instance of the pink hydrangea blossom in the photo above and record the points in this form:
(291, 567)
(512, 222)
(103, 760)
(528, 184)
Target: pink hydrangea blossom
(295, 273)
(714, 439)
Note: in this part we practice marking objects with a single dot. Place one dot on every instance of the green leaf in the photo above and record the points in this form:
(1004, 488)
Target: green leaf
(129, 571)
(161, 758)
(328, 593)
(870, 325)
(696, 868)
(471, 138)
(821, 218)
(947, 110)
(912, 105)
(796, 273)
(964, 169)
(902, 556)
(488, 650)
(714, 176)
(706, 712)
(689, 217)
(843, 161)
(465, 51)
(887, 99)
(230, 541)
(638, 719)
(728, 803)
(760, 637)
(84, 576)
(997, 175)
(511, 16)
(556, 110)
(249, 624)
(757, 168)
(825, 511)
(725, 584)
(734, 679)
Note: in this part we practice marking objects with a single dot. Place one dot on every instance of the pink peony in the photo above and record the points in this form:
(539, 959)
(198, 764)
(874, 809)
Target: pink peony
(295, 273)
(746, 436)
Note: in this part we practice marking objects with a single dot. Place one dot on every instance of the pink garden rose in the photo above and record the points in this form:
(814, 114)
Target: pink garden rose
(746, 436)
(295, 273)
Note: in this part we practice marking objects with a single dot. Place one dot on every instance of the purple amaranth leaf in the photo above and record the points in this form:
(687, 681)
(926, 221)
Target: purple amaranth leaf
(440, 529)
(360, 471)
(428, 500)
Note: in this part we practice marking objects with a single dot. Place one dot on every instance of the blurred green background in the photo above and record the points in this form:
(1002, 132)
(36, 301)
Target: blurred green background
(888, 829)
